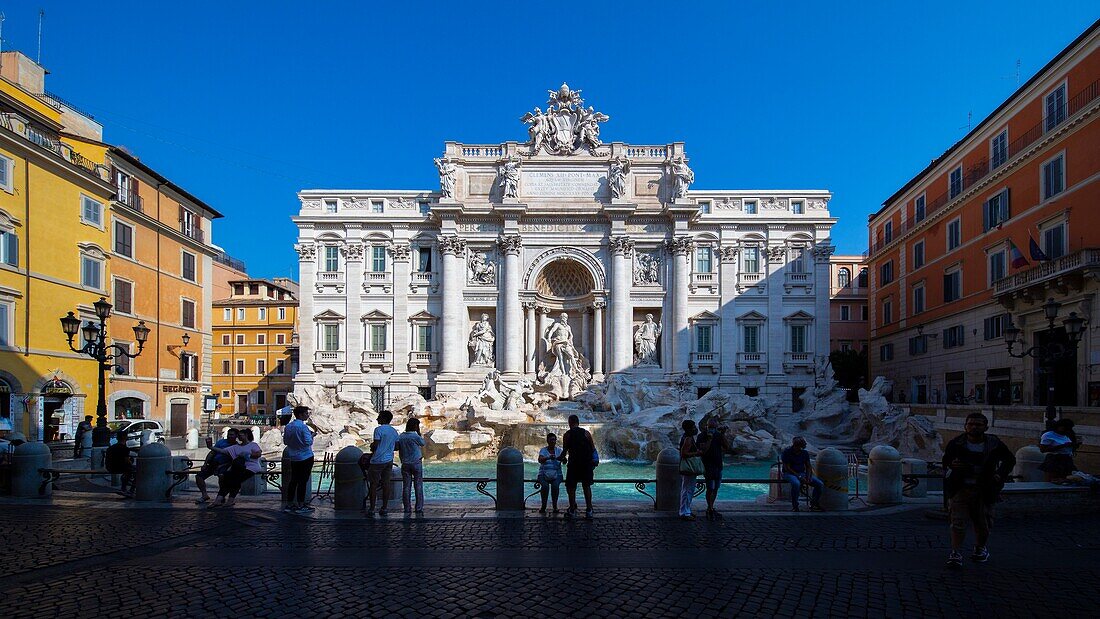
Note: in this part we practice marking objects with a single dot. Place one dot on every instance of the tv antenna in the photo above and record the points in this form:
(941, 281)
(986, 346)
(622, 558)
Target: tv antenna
(41, 18)
(969, 120)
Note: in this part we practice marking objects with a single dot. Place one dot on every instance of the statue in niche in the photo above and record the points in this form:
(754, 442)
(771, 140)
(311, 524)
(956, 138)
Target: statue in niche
(568, 374)
(538, 128)
(681, 175)
(481, 342)
(482, 271)
(509, 178)
(447, 172)
(617, 177)
(645, 343)
(647, 269)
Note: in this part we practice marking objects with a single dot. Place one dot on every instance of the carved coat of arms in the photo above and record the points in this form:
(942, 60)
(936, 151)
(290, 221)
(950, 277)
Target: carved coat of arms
(566, 126)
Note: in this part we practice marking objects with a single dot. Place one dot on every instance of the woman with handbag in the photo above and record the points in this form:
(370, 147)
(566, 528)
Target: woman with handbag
(246, 463)
(691, 466)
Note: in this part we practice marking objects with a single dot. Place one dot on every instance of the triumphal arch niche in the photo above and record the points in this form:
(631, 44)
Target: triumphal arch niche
(560, 260)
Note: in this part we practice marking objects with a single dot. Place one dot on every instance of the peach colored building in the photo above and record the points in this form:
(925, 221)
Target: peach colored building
(847, 303)
(944, 286)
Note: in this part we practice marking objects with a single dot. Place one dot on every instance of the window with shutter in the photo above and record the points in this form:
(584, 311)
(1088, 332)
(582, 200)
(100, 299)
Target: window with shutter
(188, 319)
(9, 247)
(124, 295)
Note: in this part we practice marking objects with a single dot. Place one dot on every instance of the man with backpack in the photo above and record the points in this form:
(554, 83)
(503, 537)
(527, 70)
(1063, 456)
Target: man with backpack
(977, 465)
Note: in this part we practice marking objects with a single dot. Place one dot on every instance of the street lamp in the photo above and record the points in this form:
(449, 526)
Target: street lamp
(96, 347)
(1048, 354)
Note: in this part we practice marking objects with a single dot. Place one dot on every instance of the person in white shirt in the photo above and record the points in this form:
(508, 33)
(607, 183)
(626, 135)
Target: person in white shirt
(1059, 446)
(381, 464)
(410, 445)
(550, 476)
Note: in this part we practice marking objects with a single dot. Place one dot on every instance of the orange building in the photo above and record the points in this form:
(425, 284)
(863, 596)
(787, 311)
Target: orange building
(255, 346)
(161, 272)
(944, 286)
(847, 303)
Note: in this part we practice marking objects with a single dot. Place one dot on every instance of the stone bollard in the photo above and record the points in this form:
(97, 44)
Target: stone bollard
(668, 481)
(509, 479)
(884, 476)
(25, 478)
(192, 438)
(349, 487)
(915, 466)
(832, 470)
(154, 461)
(1028, 459)
(285, 475)
(257, 484)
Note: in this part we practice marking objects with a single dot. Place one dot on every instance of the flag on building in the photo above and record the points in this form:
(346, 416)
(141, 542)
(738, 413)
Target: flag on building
(1034, 249)
(1016, 256)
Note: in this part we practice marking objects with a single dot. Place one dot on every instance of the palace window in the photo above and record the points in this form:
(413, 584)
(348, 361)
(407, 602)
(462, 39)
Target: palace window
(280, 338)
(888, 231)
(124, 239)
(332, 258)
(330, 337)
(240, 339)
(424, 259)
(423, 338)
(240, 366)
(953, 336)
(703, 338)
(330, 206)
(91, 272)
(952, 286)
(188, 269)
(376, 206)
(751, 259)
(1054, 240)
(798, 338)
(751, 335)
(226, 367)
(1055, 108)
(996, 210)
(918, 254)
(996, 262)
(91, 211)
(378, 259)
(425, 207)
(918, 298)
(704, 260)
(954, 234)
(750, 207)
(261, 313)
(1054, 179)
(282, 313)
(862, 281)
(189, 366)
(998, 149)
(378, 337)
(918, 209)
(187, 313)
(798, 207)
(123, 296)
(7, 174)
(261, 338)
(955, 182)
(886, 273)
(843, 277)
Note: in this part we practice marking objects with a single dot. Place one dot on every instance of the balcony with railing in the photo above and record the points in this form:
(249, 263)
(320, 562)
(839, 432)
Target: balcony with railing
(192, 231)
(377, 359)
(423, 360)
(130, 200)
(794, 280)
(704, 361)
(329, 359)
(330, 277)
(423, 279)
(704, 279)
(980, 171)
(16, 124)
(749, 280)
(1077, 264)
(752, 362)
(794, 361)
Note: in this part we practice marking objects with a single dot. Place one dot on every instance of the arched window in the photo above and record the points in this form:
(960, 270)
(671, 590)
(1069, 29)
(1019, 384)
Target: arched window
(843, 277)
(863, 277)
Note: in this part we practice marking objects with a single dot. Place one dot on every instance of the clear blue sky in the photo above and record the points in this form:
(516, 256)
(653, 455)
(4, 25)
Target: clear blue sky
(244, 103)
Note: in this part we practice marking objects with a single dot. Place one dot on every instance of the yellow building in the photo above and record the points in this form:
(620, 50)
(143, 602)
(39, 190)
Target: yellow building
(255, 346)
(55, 254)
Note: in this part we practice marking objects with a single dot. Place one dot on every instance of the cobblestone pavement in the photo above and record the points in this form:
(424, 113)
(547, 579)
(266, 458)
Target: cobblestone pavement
(64, 562)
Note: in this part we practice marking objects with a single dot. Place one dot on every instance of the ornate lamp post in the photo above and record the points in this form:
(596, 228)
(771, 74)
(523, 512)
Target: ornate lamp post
(1047, 355)
(105, 354)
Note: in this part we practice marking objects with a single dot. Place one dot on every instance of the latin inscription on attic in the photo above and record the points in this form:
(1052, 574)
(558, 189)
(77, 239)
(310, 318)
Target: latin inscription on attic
(563, 184)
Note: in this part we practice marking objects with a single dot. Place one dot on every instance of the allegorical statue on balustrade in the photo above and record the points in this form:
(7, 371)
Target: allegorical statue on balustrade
(509, 178)
(617, 177)
(447, 172)
(645, 343)
(481, 342)
(681, 177)
(538, 129)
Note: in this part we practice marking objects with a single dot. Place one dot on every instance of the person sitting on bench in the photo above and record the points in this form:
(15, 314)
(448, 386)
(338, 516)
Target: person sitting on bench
(798, 472)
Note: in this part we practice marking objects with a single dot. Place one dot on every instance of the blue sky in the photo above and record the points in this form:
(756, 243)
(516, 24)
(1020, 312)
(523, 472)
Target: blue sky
(244, 103)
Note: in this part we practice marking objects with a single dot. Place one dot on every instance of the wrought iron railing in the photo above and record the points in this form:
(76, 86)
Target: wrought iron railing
(981, 170)
(1089, 257)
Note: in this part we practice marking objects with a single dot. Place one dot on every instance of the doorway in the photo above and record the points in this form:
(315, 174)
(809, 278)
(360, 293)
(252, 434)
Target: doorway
(1063, 378)
(242, 404)
(179, 419)
(53, 417)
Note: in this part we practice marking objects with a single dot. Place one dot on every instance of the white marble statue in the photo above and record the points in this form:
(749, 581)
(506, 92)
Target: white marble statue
(588, 127)
(518, 395)
(538, 129)
(567, 374)
(645, 343)
(447, 171)
(646, 269)
(617, 177)
(481, 342)
(490, 394)
(681, 177)
(482, 270)
(509, 178)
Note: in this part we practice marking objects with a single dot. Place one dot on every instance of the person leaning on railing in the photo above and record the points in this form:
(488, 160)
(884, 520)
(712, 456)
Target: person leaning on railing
(1059, 444)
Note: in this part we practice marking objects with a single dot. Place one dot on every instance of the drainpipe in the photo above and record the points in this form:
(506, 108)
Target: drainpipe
(27, 257)
(156, 370)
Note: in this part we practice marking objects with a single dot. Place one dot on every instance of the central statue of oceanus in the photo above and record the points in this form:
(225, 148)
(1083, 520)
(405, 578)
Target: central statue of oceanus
(568, 372)
(566, 127)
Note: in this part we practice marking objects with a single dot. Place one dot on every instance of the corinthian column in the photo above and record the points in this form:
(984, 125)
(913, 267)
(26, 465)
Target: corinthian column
(622, 254)
(681, 249)
(530, 356)
(454, 349)
(509, 245)
(597, 340)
